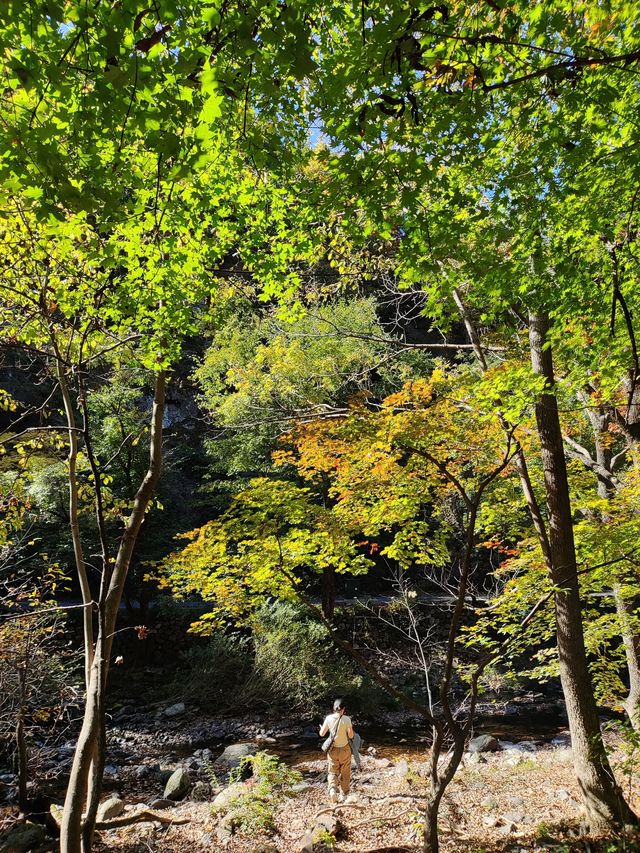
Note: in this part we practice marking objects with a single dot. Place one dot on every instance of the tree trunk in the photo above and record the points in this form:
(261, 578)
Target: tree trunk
(81, 568)
(430, 842)
(627, 617)
(519, 460)
(74, 837)
(603, 800)
(23, 764)
(625, 607)
(328, 591)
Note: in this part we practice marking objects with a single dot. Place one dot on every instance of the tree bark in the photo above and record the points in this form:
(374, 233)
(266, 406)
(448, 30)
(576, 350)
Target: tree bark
(625, 608)
(603, 800)
(519, 460)
(74, 837)
(81, 568)
(328, 591)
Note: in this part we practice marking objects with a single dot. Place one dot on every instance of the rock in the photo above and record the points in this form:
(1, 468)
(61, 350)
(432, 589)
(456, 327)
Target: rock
(113, 807)
(483, 743)
(224, 834)
(475, 758)
(516, 801)
(265, 847)
(226, 797)
(22, 837)
(515, 817)
(489, 803)
(265, 739)
(175, 710)
(110, 771)
(303, 786)
(201, 792)
(526, 746)
(56, 813)
(491, 820)
(561, 794)
(178, 785)
(383, 762)
(402, 768)
(506, 744)
(159, 804)
(143, 771)
(327, 823)
(235, 752)
(306, 845)
(508, 828)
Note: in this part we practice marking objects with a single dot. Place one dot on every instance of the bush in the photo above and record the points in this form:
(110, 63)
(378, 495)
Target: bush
(253, 811)
(215, 671)
(296, 662)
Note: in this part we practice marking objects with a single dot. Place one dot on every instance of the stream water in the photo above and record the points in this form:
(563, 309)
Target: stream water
(411, 741)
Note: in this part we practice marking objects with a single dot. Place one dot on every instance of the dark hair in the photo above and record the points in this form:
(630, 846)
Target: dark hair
(339, 705)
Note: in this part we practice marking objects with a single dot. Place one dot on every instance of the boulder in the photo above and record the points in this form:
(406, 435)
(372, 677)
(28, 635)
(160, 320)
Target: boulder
(175, 710)
(226, 797)
(113, 807)
(178, 785)
(303, 786)
(475, 758)
(159, 804)
(483, 743)
(22, 837)
(235, 752)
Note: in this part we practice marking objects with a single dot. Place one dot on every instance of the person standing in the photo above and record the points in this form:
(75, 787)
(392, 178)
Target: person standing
(340, 730)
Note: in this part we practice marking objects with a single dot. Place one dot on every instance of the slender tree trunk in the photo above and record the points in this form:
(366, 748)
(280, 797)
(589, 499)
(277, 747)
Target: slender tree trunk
(23, 763)
(81, 568)
(519, 460)
(626, 611)
(328, 591)
(603, 800)
(74, 837)
(625, 607)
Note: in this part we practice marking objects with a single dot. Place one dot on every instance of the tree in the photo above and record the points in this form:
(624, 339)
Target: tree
(80, 301)
(394, 473)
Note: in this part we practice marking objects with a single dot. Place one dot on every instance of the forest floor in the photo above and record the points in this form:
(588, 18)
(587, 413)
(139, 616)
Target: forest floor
(522, 798)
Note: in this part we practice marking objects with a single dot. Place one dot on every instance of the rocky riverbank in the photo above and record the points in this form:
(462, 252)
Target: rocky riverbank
(509, 796)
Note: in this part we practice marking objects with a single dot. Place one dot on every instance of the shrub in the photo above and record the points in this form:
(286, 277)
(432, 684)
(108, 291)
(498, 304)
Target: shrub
(215, 671)
(253, 811)
(298, 665)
